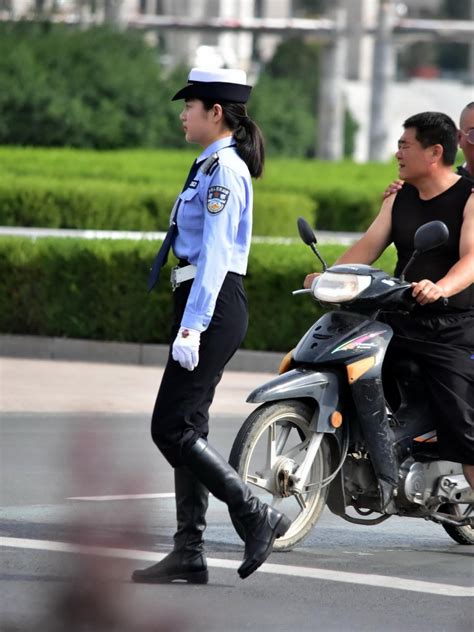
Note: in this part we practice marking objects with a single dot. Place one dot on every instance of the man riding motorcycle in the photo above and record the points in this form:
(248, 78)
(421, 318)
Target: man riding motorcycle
(440, 338)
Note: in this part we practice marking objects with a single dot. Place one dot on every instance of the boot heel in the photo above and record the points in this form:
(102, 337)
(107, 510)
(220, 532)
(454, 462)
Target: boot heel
(198, 578)
(283, 526)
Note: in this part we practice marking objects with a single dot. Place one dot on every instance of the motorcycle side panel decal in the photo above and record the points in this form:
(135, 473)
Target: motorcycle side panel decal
(359, 343)
(358, 368)
(339, 337)
(428, 437)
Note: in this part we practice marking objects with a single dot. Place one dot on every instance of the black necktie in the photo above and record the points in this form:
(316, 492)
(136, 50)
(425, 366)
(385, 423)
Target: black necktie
(162, 256)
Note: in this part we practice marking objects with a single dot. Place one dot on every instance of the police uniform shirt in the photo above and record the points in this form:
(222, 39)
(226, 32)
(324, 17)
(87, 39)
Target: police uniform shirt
(214, 221)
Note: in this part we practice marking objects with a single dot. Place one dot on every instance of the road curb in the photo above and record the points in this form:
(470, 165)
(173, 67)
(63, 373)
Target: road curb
(41, 347)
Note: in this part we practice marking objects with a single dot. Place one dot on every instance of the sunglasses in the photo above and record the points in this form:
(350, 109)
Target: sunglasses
(469, 135)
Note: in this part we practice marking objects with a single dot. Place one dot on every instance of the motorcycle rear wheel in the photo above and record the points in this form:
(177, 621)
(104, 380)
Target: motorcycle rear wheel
(461, 535)
(271, 443)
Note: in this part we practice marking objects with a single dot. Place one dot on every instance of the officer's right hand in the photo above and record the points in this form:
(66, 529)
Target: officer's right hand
(392, 188)
(309, 278)
(186, 348)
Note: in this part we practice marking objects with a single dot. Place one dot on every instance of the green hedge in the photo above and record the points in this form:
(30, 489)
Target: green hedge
(116, 206)
(96, 289)
(134, 190)
(49, 203)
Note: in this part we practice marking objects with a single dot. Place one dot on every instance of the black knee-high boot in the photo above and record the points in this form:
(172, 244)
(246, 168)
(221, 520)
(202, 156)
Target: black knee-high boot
(262, 524)
(187, 560)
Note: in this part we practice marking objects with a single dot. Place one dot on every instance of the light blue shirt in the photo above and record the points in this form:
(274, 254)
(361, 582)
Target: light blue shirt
(214, 221)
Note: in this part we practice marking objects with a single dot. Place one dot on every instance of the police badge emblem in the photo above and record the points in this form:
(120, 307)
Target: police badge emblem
(217, 197)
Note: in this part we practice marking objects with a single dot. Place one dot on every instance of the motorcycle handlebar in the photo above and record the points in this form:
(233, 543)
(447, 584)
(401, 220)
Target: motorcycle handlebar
(407, 295)
(405, 290)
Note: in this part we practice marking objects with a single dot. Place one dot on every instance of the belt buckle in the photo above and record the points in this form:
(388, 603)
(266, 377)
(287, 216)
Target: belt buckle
(174, 284)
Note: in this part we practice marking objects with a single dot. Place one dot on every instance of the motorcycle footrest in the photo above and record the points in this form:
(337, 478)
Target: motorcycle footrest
(441, 518)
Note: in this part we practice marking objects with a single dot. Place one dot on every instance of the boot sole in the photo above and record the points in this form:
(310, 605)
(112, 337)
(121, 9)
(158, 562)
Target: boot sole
(281, 528)
(200, 577)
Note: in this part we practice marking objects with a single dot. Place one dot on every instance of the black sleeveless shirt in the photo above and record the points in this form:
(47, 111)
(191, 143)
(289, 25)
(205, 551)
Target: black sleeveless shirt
(409, 213)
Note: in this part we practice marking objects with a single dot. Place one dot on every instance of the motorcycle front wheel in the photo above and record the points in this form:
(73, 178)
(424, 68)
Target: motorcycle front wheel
(270, 445)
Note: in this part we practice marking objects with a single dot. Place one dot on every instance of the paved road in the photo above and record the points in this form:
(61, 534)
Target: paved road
(75, 442)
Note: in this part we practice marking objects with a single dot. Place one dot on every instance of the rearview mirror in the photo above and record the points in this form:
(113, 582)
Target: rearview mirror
(306, 232)
(430, 235)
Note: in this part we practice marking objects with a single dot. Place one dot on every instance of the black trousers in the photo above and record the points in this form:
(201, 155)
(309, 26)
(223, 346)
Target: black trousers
(443, 347)
(181, 413)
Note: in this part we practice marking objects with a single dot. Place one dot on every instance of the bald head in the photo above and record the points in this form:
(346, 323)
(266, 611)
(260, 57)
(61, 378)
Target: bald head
(468, 111)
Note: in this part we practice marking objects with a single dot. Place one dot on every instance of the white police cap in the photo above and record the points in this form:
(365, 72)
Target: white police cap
(221, 84)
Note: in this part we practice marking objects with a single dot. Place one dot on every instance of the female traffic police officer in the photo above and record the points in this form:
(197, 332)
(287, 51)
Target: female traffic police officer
(210, 235)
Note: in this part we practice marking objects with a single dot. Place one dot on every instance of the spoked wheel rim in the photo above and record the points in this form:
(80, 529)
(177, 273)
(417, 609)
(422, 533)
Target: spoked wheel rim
(278, 447)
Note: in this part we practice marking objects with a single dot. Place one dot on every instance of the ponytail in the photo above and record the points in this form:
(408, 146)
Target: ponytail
(247, 135)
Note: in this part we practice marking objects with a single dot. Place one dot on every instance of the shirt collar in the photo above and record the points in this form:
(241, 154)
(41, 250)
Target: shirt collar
(216, 146)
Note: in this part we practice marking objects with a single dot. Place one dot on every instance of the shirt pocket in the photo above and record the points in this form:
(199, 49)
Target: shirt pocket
(190, 212)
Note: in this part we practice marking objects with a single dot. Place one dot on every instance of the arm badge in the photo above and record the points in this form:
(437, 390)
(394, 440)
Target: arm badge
(217, 197)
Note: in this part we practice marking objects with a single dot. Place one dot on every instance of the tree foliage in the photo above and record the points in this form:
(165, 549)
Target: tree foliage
(104, 89)
(286, 97)
(95, 88)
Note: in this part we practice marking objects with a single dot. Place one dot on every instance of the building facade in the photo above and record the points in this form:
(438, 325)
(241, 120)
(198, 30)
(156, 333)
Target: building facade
(187, 47)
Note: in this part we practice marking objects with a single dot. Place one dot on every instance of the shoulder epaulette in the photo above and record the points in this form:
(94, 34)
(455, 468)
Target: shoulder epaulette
(210, 164)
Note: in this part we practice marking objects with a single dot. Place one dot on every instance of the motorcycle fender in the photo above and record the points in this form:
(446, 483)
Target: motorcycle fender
(323, 387)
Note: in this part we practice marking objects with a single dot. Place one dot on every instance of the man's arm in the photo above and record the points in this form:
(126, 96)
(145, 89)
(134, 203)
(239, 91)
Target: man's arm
(376, 239)
(461, 275)
(372, 244)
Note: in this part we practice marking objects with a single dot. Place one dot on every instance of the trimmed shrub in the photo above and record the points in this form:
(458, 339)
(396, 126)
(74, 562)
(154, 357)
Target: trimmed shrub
(135, 189)
(86, 205)
(96, 289)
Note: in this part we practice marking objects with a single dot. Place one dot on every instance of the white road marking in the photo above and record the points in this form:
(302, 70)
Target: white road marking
(378, 581)
(123, 497)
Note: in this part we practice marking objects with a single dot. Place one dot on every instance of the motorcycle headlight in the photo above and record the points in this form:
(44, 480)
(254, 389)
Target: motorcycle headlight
(331, 287)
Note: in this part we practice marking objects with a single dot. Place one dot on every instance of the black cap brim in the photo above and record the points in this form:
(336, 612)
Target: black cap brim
(215, 90)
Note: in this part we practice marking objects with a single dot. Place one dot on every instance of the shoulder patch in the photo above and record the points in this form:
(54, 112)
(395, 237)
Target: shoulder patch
(213, 167)
(209, 164)
(217, 197)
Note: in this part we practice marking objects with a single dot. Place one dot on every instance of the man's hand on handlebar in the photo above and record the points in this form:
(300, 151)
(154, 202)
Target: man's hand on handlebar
(426, 291)
(309, 278)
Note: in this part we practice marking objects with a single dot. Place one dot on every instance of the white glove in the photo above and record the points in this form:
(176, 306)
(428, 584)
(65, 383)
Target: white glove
(186, 348)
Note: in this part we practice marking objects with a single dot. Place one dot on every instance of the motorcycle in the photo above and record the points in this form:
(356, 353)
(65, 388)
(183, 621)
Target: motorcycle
(306, 445)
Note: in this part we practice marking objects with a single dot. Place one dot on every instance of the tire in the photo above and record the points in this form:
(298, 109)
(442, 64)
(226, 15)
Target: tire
(268, 435)
(461, 535)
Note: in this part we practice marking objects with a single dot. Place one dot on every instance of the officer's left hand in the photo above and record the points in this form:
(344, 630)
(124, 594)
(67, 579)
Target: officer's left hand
(186, 348)
(426, 291)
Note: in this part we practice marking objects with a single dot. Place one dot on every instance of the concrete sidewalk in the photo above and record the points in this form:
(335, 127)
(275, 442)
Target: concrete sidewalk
(40, 347)
(45, 385)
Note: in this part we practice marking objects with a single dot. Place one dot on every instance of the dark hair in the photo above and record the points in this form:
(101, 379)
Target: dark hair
(247, 134)
(435, 128)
